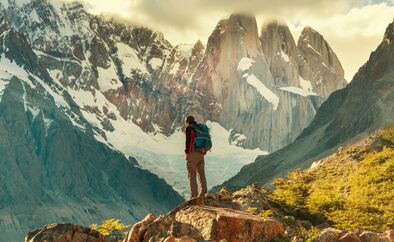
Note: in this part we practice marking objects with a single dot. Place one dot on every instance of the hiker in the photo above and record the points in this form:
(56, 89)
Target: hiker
(198, 142)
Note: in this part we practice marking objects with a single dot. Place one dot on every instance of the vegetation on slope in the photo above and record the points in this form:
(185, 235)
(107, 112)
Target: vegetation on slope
(351, 189)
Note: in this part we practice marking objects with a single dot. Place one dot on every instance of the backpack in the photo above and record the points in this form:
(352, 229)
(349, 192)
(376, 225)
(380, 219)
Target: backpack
(203, 138)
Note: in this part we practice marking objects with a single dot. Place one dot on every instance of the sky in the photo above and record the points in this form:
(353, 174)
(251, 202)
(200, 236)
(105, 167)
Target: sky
(353, 28)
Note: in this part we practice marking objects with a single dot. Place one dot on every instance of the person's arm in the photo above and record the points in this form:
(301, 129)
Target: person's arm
(187, 143)
(190, 136)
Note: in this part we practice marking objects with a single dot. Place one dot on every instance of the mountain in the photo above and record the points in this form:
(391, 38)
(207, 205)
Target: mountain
(365, 105)
(264, 82)
(52, 166)
(135, 88)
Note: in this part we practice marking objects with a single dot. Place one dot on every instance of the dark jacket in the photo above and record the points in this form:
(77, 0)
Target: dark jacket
(190, 139)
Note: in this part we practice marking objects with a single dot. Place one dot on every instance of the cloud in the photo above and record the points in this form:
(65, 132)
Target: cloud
(353, 28)
(352, 35)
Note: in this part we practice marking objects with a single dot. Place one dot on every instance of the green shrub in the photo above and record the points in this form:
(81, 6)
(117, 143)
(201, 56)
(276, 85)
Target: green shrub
(109, 226)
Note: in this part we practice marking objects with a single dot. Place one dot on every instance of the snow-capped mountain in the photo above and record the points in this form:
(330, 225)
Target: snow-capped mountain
(128, 88)
(52, 167)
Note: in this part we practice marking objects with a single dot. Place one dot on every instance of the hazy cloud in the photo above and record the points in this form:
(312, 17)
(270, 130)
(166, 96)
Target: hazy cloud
(353, 28)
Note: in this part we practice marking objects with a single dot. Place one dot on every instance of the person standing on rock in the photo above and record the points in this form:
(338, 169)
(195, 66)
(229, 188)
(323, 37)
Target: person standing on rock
(197, 143)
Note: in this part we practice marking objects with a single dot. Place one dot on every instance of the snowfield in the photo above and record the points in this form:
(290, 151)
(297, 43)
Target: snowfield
(164, 155)
(264, 91)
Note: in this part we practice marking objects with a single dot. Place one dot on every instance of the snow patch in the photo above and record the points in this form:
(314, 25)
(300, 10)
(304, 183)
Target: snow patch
(156, 127)
(34, 16)
(155, 63)
(285, 57)
(310, 46)
(305, 90)
(3, 86)
(20, 3)
(185, 50)
(174, 69)
(298, 91)
(8, 69)
(263, 90)
(24, 97)
(130, 59)
(244, 64)
(305, 84)
(47, 123)
(238, 138)
(108, 79)
(34, 111)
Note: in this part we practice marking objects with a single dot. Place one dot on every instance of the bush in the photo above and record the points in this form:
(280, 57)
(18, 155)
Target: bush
(109, 226)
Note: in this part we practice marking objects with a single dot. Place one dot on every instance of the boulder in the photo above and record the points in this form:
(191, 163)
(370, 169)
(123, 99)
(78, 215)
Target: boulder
(182, 239)
(350, 237)
(390, 235)
(328, 235)
(138, 231)
(213, 223)
(64, 233)
(368, 236)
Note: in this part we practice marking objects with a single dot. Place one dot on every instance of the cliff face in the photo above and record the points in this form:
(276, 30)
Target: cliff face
(320, 63)
(365, 105)
(264, 82)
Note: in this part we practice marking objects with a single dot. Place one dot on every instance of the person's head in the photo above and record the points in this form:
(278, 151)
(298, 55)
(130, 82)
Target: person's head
(189, 120)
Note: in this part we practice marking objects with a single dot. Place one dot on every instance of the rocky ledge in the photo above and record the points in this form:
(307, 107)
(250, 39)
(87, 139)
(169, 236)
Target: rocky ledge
(247, 215)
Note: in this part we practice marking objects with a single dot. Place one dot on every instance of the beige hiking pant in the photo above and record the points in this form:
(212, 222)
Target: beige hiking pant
(195, 165)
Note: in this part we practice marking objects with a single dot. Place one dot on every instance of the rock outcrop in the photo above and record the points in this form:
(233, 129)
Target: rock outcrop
(320, 64)
(64, 233)
(212, 218)
(246, 215)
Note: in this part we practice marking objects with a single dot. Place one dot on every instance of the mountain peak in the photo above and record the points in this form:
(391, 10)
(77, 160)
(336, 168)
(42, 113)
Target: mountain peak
(389, 34)
(314, 44)
(276, 37)
(198, 48)
(241, 17)
(237, 30)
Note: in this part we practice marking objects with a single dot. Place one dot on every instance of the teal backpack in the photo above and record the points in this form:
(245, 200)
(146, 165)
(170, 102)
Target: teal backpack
(203, 138)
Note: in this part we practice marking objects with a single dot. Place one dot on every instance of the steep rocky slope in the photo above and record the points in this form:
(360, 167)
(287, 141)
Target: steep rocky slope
(52, 167)
(365, 105)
